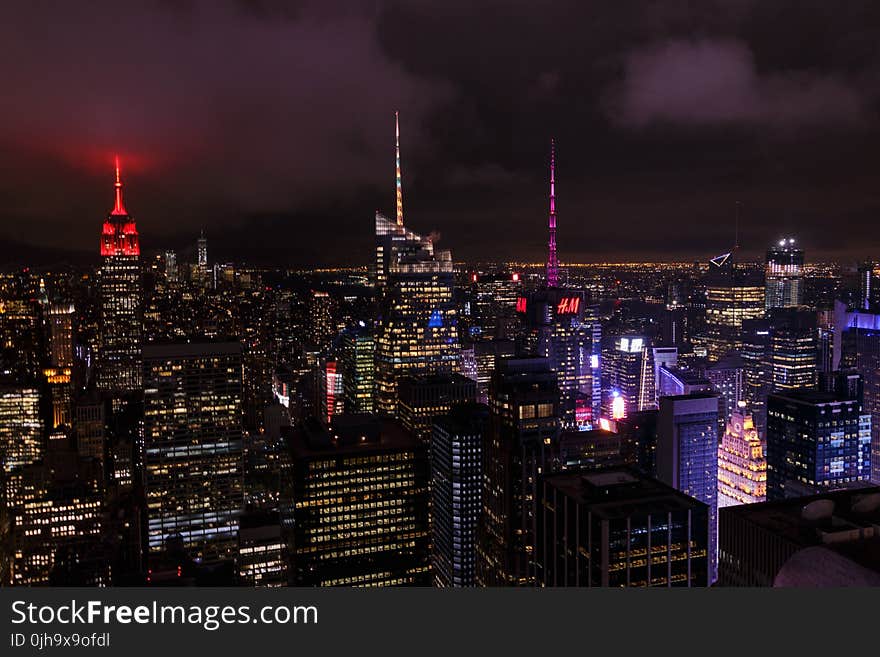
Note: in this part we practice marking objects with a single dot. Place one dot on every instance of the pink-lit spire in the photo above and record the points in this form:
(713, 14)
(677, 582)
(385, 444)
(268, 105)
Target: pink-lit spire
(118, 207)
(552, 262)
(397, 163)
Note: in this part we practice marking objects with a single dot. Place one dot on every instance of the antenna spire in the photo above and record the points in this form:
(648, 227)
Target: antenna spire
(118, 207)
(552, 263)
(736, 226)
(399, 185)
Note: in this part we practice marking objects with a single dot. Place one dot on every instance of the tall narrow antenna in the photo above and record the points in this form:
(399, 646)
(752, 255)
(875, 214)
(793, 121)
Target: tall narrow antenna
(397, 164)
(736, 226)
(118, 207)
(552, 262)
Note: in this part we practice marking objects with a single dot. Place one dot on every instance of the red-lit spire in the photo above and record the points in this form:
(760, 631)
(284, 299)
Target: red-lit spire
(119, 236)
(118, 207)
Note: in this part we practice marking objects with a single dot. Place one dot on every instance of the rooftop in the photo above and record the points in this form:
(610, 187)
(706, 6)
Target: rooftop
(621, 492)
(350, 434)
(831, 518)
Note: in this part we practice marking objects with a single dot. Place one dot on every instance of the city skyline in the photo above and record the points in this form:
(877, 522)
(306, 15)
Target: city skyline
(583, 345)
(786, 133)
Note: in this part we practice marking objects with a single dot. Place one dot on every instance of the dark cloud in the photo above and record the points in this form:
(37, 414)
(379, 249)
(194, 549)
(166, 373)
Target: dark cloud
(270, 122)
(216, 107)
(712, 82)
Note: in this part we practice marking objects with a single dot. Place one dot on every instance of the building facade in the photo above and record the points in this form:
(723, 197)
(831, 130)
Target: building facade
(816, 441)
(742, 466)
(618, 528)
(523, 426)
(360, 495)
(457, 493)
(193, 447)
(687, 454)
(784, 275)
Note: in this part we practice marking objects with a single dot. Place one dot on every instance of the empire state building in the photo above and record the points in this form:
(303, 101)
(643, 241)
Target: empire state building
(121, 290)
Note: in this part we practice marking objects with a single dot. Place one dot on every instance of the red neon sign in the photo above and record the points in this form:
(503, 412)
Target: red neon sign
(568, 305)
(521, 304)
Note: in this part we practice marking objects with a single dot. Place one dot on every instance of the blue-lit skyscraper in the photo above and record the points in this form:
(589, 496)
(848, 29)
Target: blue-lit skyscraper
(687, 454)
(816, 441)
(457, 490)
(857, 347)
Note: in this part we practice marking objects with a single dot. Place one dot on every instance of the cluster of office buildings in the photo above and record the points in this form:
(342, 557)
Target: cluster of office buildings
(418, 422)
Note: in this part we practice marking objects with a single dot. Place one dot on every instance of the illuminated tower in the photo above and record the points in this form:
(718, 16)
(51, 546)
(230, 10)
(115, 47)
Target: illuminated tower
(742, 468)
(202, 245)
(784, 275)
(417, 331)
(627, 377)
(119, 349)
(733, 295)
(552, 263)
(564, 332)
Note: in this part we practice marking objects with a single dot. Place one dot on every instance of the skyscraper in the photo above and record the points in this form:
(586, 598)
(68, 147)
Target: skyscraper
(57, 513)
(202, 246)
(857, 347)
(627, 376)
(331, 390)
(784, 275)
(358, 369)
(563, 334)
(757, 373)
(687, 454)
(733, 295)
(742, 467)
(171, 270)
(321, 327)
(422, 399)
(617, 527)
(121, 295)
(61, 334)
(21, 426)
(193, 436)
(417, 331)
(793, 348)
(524, 408)
(866, 286)
(816, 441)
(360, 490)
(726, 376)
(457, 490)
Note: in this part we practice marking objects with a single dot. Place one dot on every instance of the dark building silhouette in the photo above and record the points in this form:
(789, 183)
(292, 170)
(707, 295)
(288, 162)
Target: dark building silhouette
(615, 527)
(776, 542)
(523, 425)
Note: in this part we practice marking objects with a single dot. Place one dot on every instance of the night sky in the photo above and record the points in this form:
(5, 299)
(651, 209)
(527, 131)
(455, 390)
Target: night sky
(271, 124)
